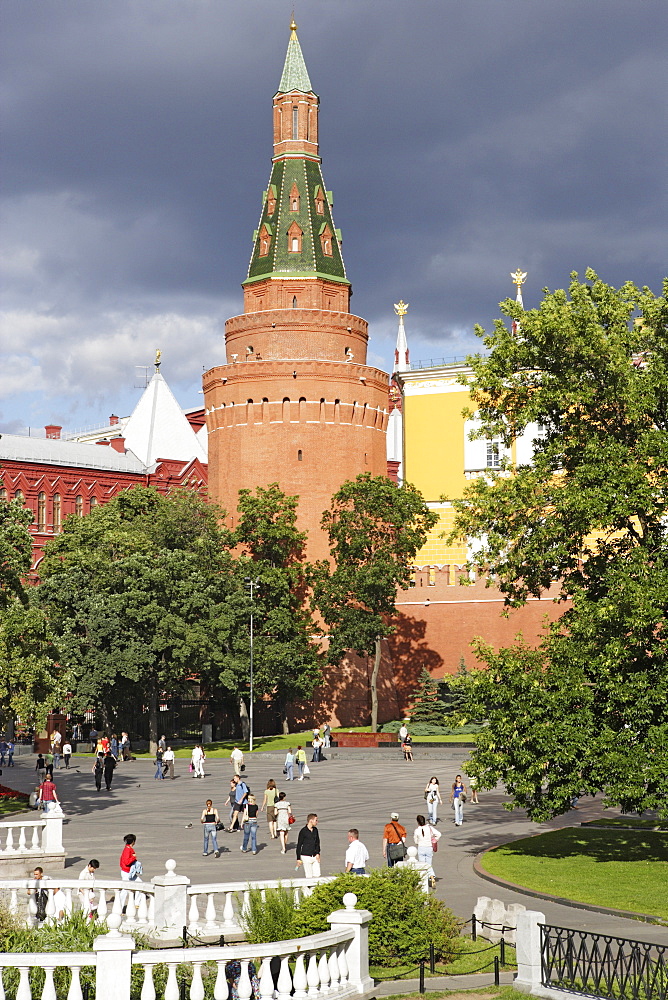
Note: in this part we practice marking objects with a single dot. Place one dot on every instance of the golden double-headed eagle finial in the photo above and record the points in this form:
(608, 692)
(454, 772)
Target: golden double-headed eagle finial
(158, 355)
(519, 277)
(401, 307)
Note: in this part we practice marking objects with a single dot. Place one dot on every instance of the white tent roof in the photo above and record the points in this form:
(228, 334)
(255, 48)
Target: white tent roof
(158, 427)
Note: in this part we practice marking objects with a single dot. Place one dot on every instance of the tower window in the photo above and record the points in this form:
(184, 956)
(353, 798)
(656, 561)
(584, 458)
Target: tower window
(294, 246)
(78, 506)
(41, 512)
(294, 198)
(326, 239)
(57, 513)
(294, 301)
(319, 201)
(299, 455)
(294, 238)
(295, 123)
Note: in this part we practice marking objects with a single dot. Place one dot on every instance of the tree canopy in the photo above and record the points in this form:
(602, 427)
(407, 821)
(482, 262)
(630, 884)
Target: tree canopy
(375, 530)
(30, 679)
(586, 375)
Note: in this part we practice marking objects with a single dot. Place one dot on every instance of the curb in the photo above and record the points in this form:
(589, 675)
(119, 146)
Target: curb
(646, 918)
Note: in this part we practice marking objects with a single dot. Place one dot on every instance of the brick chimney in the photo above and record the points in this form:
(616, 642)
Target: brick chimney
(103, 441)
(53, 432)
(118, 444)
(113, 420)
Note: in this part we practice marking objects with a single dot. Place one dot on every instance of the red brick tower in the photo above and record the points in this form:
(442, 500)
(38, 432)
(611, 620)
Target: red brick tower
(296, 403)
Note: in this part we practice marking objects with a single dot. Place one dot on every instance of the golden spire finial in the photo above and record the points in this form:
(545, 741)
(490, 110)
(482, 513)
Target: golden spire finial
(519, 277)
(157, 362)
(293, 26)
(401, 307)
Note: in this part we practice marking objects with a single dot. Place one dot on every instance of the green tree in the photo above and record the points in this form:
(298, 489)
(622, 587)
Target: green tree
(586, 375)
(375, 530)
(426, 702)
(136, 594)
(31, 683)
(287, 655)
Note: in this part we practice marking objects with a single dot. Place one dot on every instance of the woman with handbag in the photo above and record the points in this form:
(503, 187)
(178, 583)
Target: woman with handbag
(283, 819)
(210, 820)
(432, 794)
(268, 803)
(458, 798)
(426, 838)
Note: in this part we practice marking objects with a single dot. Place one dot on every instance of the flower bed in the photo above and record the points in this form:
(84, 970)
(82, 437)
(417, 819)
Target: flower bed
(11, 793)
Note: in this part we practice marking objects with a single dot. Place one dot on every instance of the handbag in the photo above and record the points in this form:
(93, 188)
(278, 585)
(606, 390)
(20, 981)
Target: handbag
(285, 770)
(219, 826)
(242, 767)
(434, 844)
(396, 852)
(426, 795)
(291, 819)
(307, 769)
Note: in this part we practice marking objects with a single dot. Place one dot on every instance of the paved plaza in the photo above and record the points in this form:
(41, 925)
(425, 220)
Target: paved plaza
(344, 791)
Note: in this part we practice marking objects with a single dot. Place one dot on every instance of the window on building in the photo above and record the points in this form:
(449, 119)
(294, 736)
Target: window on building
(18, 494)
(93, 502)
(294, 301)
(57, 513)
(294, 198)
(295, 123)
(78, 506)
(41, 511)
(3, 493)
(299, 455)
(493, 453)
(294, 238)
(294, 245)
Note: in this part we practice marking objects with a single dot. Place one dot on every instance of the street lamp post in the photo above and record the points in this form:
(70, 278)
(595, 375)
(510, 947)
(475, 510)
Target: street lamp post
(251, 585)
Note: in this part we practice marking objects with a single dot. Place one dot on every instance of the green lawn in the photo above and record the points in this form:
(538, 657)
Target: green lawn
(471, 957)
(622, 869)
(629, 821)
(10, 806)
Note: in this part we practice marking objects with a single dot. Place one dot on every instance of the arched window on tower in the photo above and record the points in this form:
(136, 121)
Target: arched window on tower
(302, 408)
(294, 198)
(295, 123)
(93, 502)
(41, 511)
(294, 301)
(294, 238)
(265, 410)
(299, 455)
(78, 506)
(319, 200)
(57, 513)
(326, 239)
(286, 409)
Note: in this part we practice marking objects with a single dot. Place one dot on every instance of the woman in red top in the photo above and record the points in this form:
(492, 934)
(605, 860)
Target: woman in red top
(128, 856)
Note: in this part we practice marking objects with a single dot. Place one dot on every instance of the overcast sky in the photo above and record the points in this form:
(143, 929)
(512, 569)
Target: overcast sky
(461, 139)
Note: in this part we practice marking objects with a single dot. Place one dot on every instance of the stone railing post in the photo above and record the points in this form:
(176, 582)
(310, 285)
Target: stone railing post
(171, 903)
(113, 952)
(528, 951)
(52, 841)
(357, 953)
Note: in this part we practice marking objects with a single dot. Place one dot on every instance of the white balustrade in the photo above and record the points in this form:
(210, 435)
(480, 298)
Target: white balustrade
(105, 895)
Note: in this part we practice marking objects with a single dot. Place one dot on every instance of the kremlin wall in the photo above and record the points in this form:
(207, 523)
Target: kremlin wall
(296, 403)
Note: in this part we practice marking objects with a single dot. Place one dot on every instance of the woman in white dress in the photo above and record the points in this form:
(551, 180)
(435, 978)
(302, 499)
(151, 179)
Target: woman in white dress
(197, 761)
(432, 794)
(425, 838)
(283, 811)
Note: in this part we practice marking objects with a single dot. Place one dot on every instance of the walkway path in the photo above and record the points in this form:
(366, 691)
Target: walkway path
(343, 792)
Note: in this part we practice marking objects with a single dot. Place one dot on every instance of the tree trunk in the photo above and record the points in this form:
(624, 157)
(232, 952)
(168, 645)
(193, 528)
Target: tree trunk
(244, 720)
(153, 723)
(374, 688)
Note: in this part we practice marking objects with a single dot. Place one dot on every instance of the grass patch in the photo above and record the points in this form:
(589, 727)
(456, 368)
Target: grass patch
(489, 993)
(622, 869)
(470, 957)
(10, 806)
(628, 822)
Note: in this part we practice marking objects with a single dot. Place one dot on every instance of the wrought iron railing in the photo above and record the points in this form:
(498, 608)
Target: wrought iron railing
(603, 966)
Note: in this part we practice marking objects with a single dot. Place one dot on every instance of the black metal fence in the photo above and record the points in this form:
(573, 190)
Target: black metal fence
(603, 966)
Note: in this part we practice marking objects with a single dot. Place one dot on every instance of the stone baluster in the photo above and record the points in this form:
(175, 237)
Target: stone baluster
(210, 915)
(172, 985)
(49, 989)
(245, 906)
(131, 910)
(117, 905)
(151, 910)
(333, 962)
(32, 910)
(50, 908)
(197, 986)
(9, 845)
(24, 992)
(228, 911)
(244, 986)
(267, 981)
(323, 972)
(529, 969)
(343, 965)
(75, 992)
(148, 986)
(221, 990)
(193, 915)
(312, 975)
(284, 982)
(102, 906)
(36, 845)
(142, 909)
(14, 902)
(299, 980)
(22, 841)
(296, 895)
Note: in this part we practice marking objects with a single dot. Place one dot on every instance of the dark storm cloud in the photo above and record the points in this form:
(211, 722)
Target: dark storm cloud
(461, 140)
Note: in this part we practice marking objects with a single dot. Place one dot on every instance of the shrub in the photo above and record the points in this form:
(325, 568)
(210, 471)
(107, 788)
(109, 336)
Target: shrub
(270, 915)
(431, 729)
(405, 921)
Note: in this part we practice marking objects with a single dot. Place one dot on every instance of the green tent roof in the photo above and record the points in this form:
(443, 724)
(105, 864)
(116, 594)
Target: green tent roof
(295, 74)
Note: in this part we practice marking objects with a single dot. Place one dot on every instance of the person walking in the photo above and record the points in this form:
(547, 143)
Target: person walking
(162, 743)
(432, 794)
(300, 758)
(308, 847)
(357, 854)
(317, 745)
(56, 755)
(394, 841)
(158, 765)
(403, 732)
(168, 763)
(268, 803)
(67, 754)
(473, 784)
(11, 747)
(92, 736)
(125, 747)
(425, 838)
(48, 796)
(241, 793)
(197, 758)
(458, 798)
(289, 766)
(97, 769)
(283, 813)
(114, 745)
(210, 820)
(109, 764)
(237, 759)
(40, 767)
(249, 824)
(229, 801)
(326, 735)
(3, 751)
(407, 747)
(48, 765)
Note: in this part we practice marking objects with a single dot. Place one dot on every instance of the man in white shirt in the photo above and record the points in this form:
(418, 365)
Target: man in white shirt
(357, 854)
(237, 759)
(168, 762)
(88, 898)
(403, 732)
(62, 904)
